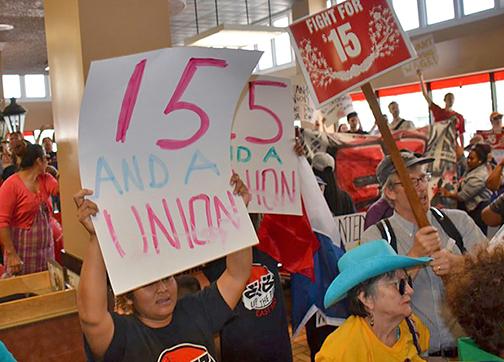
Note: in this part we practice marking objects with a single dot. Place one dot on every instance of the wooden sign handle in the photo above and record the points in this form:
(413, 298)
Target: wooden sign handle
(391, 148)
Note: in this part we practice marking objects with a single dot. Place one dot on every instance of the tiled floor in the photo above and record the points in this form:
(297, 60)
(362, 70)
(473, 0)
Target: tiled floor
(300, 349)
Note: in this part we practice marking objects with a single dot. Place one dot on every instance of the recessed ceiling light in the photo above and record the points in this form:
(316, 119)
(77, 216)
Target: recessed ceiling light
(5, 27)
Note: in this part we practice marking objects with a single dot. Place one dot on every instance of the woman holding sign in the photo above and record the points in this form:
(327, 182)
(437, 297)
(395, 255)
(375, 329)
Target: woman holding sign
(162, 328)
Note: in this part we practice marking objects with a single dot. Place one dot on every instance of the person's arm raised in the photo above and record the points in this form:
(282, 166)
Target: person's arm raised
(96, 322)
(495, 178)
(238, 264)
(491, 215)
(424, 87)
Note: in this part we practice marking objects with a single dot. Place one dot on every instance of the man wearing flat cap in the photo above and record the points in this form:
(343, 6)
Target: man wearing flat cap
(451, 233)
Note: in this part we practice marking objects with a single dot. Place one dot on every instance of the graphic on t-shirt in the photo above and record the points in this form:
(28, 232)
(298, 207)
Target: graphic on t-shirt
(186, 352)
(260, 290)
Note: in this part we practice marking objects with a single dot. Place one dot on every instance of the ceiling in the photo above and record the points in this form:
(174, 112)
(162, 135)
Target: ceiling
(24, 48)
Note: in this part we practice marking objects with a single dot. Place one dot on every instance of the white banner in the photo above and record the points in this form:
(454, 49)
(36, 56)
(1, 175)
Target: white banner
(262, 146)
(350, 228)
(427, 55)
(154, 146)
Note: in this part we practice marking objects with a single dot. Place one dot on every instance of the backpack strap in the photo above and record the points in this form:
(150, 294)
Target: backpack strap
(414, 334)
(387, 233)
(398, 126)
(449, 228)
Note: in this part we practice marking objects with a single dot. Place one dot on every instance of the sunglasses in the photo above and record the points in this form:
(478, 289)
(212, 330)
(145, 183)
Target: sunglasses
(401, 284)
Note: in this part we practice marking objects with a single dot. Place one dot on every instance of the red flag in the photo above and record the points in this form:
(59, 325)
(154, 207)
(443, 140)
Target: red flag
(289, 239)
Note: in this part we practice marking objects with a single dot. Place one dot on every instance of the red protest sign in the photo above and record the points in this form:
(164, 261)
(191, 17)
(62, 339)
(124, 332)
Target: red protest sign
(347, 45)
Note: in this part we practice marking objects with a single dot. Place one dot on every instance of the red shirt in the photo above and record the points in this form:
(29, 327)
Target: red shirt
(18, 205)
(441, 114)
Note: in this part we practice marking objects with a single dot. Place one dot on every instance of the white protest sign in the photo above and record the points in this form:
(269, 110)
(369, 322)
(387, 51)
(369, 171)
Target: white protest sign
(262, 146)
(427, 55)
(154, 146)
(350, 228)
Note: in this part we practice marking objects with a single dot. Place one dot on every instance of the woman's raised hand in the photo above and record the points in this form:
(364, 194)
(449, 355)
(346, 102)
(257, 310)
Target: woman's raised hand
(85, 209)
(240, 188)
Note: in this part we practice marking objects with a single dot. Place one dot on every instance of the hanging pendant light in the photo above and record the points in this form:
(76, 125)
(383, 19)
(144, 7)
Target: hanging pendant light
(14, 116)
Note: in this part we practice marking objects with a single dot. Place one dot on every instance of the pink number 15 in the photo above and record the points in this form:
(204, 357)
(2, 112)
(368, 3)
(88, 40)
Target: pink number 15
(175, 104)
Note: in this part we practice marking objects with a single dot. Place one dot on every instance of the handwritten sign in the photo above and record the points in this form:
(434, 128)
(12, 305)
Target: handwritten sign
(262, 146)
(154, 146)
(347, 45)
(350, 228)
(427, 55)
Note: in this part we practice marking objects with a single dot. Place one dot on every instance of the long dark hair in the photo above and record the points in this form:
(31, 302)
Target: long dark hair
(339, 202)
(31, 154)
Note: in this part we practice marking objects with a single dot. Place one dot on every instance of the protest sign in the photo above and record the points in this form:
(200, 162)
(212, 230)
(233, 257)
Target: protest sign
(350, 228)
(348, 45)
(427, 56)
(154, 146)
(262, 146)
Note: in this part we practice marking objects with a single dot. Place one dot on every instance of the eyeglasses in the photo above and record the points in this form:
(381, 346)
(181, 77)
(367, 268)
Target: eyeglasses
(401, 284)
(423, 179)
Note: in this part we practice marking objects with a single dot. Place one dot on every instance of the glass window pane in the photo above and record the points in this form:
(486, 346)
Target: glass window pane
(266, 60)
(328, 3)
(407, 12)
(499, 87)
(476, 118)
(283, 50)
(365, 115)
(412, 107)
(281, 22)
(471, 6)
(439, 10)
(35, 86)
(11, 86)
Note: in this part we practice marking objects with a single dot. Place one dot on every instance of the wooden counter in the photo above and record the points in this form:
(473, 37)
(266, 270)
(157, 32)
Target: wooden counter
(44, 327)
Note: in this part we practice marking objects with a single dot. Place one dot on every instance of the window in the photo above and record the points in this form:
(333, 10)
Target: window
(499, 87)
(439, 10)
(35, 86)
(365, 114)
(473, 101)
(471, 6)
(45, 133)
(11, 86)
(413, 107)
(330, 3)
(283, 51)
(407, 12)
(266, 60)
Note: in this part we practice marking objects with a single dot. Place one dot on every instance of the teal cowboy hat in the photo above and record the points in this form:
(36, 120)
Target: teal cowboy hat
(365, 262)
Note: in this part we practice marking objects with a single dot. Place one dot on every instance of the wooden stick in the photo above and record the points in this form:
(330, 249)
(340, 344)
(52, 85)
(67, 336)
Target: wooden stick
(391, 147)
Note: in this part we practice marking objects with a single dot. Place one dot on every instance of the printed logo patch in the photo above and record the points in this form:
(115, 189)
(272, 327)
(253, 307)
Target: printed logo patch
(260, 290)
(186, 352)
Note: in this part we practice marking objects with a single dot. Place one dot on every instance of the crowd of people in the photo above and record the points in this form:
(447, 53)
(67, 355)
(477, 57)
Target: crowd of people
(408, 289)
(410, 292)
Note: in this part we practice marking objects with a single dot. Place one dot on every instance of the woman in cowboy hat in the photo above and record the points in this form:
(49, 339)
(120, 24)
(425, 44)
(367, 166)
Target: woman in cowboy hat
(381, 326)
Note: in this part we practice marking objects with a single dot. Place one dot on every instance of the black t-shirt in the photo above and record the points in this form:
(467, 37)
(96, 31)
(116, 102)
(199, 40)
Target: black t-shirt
(189, 336)
(260, 332)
